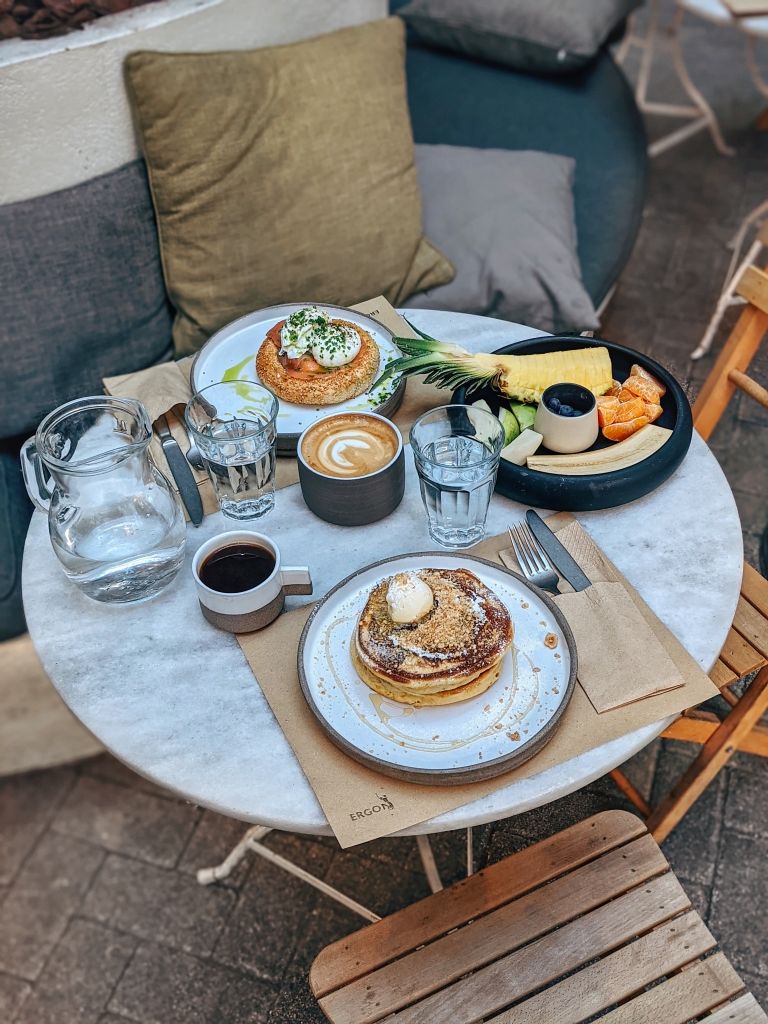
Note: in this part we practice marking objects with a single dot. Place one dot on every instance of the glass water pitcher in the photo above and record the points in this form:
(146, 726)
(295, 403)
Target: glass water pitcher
(115, 523)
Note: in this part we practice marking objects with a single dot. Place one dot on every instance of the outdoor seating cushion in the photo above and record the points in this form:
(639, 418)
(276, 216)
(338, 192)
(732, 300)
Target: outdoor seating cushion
(532, 35)
(590, 115)
(15, 510)
(505, 220)
(281, 174)
(82, 294)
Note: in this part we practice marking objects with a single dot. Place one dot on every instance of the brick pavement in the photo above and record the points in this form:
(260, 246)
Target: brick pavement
(101, 919)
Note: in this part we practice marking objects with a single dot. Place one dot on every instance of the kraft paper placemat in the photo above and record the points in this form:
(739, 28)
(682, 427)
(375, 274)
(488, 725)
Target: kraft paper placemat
(165, 388)
(348, 791)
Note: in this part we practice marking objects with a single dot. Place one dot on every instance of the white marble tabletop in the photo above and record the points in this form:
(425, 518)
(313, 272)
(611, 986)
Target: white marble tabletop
(174, 698)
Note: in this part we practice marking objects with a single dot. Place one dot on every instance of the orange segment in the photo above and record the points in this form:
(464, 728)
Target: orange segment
(621, 431)
(613, 390)
(643, 389)
(629, 410)
(652, 412)
(640, 371)
(607, 408)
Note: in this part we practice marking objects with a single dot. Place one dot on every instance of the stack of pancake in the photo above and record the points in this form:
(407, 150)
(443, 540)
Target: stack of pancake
(453, 652)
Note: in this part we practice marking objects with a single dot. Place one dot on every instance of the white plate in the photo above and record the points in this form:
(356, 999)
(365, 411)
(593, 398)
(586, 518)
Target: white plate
(473, 739)
(230, 354)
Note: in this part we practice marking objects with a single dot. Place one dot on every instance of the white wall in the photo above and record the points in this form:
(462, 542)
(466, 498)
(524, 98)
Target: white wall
(64, 115)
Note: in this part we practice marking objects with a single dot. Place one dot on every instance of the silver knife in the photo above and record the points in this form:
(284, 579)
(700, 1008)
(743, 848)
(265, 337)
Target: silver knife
(562, 560)
(180, 471)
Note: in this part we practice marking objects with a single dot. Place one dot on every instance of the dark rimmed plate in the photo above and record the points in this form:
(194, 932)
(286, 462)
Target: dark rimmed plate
(596, 490)
(474, 739)
(232, 351)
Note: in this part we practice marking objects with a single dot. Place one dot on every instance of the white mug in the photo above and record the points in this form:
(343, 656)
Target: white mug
(254, 608)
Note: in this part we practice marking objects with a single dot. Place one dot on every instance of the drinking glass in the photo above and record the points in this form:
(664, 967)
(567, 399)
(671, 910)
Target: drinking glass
(234, 427)
(456, 450)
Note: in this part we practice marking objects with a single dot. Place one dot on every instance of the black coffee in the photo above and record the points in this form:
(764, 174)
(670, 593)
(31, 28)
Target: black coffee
(236, 568)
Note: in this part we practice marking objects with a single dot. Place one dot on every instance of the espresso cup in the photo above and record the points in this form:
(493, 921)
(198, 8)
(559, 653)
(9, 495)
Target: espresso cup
(351, 468)
(241, 581)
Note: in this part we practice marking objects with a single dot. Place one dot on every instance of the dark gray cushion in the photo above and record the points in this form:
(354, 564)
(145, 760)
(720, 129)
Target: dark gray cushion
(15, 510)
(505, 220)
(82, 294)
(532, 35)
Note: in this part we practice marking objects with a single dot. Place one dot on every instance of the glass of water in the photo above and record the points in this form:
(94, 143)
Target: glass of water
(456, 449)
(234, 425)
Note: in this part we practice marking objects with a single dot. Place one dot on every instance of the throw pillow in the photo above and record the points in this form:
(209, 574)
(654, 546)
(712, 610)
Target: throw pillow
(532, 35)
(505, 219)
(283, 175)
(82, 297)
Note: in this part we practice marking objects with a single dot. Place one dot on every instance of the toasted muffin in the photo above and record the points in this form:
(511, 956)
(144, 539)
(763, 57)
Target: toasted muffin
(452, 653)
(303, 382)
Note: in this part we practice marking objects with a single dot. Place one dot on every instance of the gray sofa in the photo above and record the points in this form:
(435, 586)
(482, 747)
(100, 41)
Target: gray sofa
(88, 299)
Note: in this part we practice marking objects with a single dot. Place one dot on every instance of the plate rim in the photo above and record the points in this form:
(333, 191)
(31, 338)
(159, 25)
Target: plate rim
(465, 773)
(290, 440)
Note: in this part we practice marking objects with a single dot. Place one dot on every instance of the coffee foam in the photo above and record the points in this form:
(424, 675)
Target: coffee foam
(349, 445)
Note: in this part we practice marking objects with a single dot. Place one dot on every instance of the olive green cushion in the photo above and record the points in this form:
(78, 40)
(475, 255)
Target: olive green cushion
(283, 175)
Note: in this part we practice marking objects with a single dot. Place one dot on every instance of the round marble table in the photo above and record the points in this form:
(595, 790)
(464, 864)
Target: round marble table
(175, 700)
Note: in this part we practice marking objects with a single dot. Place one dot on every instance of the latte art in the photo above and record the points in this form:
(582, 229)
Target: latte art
(349, 445)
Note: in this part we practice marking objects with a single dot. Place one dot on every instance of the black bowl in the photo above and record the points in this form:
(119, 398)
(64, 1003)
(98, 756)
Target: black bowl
(597, 490)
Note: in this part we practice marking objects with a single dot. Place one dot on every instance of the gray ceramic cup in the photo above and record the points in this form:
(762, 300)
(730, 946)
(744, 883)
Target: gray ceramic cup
(354, 500)
(246, 610)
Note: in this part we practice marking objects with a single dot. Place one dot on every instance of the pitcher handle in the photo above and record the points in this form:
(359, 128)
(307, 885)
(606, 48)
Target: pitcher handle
(36, 476)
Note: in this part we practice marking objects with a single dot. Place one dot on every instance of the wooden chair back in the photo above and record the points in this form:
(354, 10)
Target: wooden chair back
(588, 923)
(730, 369)
(746, 649)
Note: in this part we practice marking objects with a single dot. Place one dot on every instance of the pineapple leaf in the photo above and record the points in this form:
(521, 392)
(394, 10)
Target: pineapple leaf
(427, 337)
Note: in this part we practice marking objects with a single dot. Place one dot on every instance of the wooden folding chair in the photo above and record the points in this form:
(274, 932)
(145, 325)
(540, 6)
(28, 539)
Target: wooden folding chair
(746, 649)
(589, 923)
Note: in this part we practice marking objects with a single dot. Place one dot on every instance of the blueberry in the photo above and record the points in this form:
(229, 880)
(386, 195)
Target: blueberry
(554, 404)
(566, 410)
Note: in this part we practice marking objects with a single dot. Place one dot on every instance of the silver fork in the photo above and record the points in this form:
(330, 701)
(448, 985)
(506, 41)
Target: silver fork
(535, 565)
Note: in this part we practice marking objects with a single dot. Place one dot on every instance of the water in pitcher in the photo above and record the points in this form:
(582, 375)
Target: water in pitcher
(114, 523)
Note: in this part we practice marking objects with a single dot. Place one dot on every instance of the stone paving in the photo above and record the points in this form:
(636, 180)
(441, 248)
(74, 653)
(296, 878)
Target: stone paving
(101, 918)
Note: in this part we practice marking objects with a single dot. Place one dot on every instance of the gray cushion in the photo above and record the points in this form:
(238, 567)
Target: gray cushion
(533, 35)
(505, 220)
(82, 294)
(15, 510)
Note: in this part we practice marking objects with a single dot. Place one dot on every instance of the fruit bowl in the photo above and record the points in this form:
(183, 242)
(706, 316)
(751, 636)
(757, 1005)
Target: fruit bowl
(595, 490)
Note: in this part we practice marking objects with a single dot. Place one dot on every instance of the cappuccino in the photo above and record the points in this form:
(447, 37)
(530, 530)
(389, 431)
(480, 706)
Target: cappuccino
(349, 445)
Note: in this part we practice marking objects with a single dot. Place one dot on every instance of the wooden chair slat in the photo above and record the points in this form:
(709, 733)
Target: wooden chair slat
(421, 922)
(753, 627)
(715, 753)
(738, 352)
(744, 1011)
(697, 731)
(755, 588)
(753, 286)
(486, 938)
(681, 997)
(722, 676)
(617, 976)
(518, 974)
(740, 655)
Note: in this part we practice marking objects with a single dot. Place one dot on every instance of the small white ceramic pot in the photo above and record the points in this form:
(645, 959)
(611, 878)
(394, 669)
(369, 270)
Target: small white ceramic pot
(567, 434)
(254, 608)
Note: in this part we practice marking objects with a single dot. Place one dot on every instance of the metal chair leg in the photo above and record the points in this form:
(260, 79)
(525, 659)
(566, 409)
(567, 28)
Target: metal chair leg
(429, 864)
(753, 67)
(252, 841)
